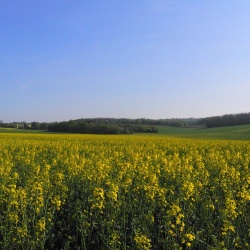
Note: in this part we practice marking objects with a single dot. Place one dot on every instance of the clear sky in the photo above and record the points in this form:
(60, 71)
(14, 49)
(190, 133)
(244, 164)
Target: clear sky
(62, 60)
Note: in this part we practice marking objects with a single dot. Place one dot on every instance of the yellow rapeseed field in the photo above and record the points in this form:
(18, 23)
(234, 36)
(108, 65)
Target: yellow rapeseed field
(123, 192)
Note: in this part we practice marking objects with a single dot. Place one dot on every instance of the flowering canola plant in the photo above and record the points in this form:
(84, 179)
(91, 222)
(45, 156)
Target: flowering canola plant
(123, 192)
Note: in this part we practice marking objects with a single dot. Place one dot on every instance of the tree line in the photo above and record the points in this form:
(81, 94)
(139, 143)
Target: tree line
(127, 126)
(25, 125)
(84, 127)
(101, 125)
(141, 121)
(225, 120)
(99, 128)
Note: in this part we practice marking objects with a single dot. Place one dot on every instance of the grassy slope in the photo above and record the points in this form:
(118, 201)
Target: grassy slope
(222, 133)
(26, 131)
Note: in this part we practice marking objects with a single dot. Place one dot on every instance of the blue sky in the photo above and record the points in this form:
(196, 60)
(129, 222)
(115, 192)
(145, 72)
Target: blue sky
(62, 60)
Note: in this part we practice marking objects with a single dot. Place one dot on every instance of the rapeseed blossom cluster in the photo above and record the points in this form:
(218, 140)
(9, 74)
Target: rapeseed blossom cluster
(123, 192)
(142, 242)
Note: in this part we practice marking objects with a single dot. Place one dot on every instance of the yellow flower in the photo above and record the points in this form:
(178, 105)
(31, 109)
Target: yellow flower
(41, 224)
(190, 237)
(142, 242)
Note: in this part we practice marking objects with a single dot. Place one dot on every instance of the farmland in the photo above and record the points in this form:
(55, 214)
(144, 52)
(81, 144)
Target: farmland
(164, 191)
(220, 133)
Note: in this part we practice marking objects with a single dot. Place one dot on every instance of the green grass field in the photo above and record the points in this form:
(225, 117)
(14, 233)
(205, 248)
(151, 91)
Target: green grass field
(222, 133)
(26, 131)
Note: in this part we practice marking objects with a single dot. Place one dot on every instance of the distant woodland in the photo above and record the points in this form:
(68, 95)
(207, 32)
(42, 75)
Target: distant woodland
(95, 127)
(129, 126)
(225, 120)
(100, 125)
